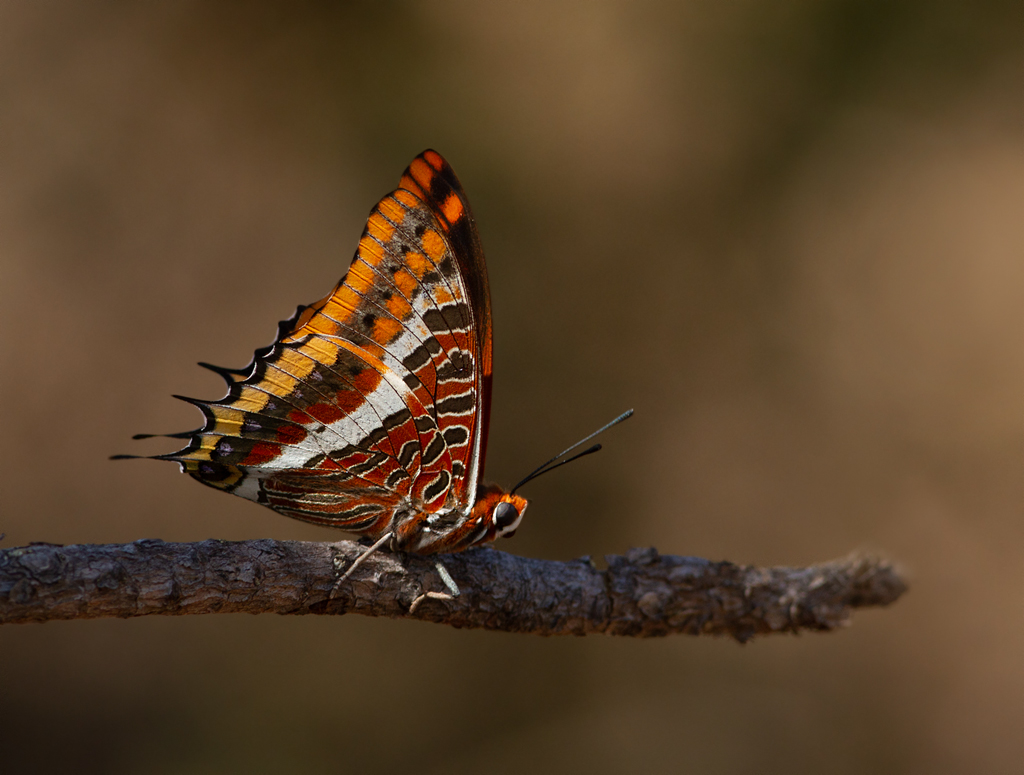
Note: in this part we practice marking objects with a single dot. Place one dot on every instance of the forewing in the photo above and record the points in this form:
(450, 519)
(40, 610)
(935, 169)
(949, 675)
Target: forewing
(432, 180)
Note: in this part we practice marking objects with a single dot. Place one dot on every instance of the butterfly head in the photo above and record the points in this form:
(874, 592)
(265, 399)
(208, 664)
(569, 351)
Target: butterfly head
(500, 511)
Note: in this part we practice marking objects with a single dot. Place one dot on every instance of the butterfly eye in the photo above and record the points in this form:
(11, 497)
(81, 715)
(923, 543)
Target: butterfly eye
(505, 515)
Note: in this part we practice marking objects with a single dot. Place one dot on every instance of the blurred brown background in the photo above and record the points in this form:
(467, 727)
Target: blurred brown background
(790, 235)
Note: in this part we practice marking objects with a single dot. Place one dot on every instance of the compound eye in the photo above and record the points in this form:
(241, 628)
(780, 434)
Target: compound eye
(505, 515)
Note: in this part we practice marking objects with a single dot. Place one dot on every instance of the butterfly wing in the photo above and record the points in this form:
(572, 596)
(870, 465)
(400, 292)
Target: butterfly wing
(433, 180)
(377, 396)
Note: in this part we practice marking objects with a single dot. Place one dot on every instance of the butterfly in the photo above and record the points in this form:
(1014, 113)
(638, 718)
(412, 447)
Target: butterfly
(369, 412)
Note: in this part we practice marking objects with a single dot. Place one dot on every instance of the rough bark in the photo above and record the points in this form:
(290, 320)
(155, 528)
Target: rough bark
(641, 594)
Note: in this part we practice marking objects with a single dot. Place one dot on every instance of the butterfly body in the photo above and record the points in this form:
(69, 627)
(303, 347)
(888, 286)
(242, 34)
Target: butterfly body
(370, 410)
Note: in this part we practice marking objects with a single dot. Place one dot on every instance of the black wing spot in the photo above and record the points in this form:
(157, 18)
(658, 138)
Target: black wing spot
(408, 454)
(437, 487)
(456, 435)
(416, 358)
(433, 450)
(457, 404)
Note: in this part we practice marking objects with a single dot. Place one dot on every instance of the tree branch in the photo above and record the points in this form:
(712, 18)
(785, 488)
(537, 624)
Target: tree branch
(641, 594)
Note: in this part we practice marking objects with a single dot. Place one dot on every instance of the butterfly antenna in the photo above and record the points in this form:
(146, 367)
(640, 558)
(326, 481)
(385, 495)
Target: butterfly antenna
(591, 450)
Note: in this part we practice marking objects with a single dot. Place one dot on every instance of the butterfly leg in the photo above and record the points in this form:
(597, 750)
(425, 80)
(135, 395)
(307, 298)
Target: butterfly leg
(359, 561)
(448, 582)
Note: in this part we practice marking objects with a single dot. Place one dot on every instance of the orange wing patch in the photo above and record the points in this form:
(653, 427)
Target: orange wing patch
(452, 208)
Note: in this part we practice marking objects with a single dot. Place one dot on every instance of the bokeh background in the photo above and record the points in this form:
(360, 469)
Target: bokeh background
(791, 235)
